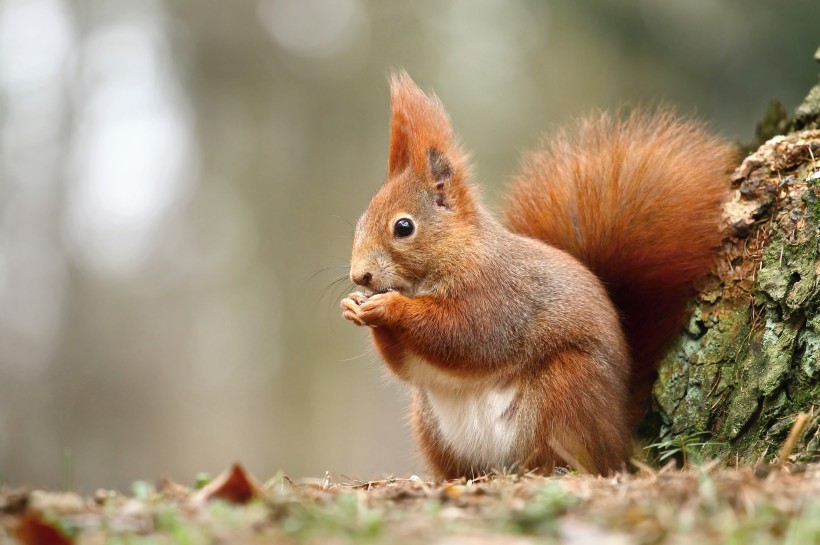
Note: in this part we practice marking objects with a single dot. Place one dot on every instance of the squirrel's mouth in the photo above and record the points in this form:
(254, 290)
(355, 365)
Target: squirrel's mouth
(371, 292)
(388, 283)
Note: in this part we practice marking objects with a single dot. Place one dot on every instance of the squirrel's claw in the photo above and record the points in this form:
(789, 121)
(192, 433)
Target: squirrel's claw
(352, 310)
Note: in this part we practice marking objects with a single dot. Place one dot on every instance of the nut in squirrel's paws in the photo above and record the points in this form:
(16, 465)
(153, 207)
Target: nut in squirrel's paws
(374, 310)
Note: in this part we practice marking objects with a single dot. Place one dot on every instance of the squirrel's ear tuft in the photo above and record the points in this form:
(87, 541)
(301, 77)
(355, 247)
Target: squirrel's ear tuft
(418, 123)
(442, 172)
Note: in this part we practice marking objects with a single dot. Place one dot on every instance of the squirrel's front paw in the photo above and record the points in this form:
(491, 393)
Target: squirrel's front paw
(376, 310)
(383, 309)
(352, 309)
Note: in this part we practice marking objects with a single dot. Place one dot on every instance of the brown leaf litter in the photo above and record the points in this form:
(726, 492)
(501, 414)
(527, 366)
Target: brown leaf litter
(709, 504)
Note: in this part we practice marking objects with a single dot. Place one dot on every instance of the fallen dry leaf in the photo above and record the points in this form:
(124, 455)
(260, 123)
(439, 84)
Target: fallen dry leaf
(33, 531)
(234, 485)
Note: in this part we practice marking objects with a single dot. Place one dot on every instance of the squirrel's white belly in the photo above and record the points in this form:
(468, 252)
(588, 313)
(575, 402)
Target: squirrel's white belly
(473, 417)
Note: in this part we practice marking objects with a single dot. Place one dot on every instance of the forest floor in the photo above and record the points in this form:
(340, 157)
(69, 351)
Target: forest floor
(703, 504)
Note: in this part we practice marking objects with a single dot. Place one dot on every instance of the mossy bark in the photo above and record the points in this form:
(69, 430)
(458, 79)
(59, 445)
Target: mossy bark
(748, 361)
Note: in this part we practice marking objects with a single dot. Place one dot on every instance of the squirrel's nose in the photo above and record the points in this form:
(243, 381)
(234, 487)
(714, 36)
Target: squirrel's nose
(362, 279)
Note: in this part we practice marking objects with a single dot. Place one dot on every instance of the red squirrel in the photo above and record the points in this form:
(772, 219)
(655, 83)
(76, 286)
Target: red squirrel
(530, 343)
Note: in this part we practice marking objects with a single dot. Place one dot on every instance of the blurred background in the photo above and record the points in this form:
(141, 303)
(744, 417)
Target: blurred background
(179, 181)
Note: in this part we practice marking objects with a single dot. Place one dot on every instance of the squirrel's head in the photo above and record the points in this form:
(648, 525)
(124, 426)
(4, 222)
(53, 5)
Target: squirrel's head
(425, 212)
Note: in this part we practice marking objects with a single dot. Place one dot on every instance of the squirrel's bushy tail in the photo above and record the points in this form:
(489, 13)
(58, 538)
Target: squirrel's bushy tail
(638, 200)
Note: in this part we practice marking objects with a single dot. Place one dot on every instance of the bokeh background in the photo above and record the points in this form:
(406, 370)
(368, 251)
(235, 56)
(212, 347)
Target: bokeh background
(179, 181)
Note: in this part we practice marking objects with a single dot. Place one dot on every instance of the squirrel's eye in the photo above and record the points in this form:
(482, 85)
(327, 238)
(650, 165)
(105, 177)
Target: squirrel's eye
(403, 228)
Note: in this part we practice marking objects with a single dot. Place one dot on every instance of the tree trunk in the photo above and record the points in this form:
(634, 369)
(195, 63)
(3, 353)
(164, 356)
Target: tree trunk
(748, 361)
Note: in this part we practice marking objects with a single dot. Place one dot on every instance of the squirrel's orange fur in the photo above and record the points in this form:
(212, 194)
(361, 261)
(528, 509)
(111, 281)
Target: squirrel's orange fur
(509, 336)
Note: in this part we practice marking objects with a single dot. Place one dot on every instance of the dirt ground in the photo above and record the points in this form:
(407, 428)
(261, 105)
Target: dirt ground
(704, 504)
